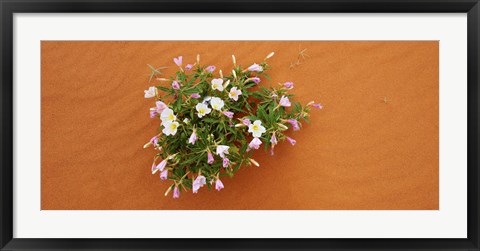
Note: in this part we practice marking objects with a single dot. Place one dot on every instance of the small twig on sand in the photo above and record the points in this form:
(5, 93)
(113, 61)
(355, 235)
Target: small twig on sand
(302, 55)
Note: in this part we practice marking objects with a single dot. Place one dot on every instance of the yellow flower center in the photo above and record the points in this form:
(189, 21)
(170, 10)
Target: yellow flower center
(215, 86)
(255, 127)
(215, 106)
(170, 117)
(173, 126)
(232, 93)
(201, 110)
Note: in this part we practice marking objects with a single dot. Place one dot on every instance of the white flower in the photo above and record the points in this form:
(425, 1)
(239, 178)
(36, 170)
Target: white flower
(256, 128)
(151, 92)
(186, 120)
(222, 150)
(217, 103)
(202, 109)
(167, 115)
(217, 84)
(170, 128)
(234, 93)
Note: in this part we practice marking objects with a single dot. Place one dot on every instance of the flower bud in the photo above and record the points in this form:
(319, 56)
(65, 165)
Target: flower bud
(164, 174)
(228, 114)
(210, 158)
(269, 55)
(234, 60)
(210, 68)
(284, 127)
(291, 141)
(176, 192)
(254, 162)
(226, 84)
(168, 190)
(219, 185)
(221, 74)
(288, 85)
(153, 141)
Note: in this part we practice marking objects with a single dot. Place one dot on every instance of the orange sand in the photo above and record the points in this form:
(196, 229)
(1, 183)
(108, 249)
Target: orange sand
(358, 153)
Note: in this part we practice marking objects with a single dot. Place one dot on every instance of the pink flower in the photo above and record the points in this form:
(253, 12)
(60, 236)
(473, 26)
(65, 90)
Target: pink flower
(154, 140)
(246, 122)
(288, 85)
(154, 168)
(157, 110)
(273, 139)
(256, 80)
(294, 124)
(195, 95)
(175, 85)
(218, 185)
(164, 174)
(162, 165)
(210, 158)
(318, 106)
(178, 61)
(176, 193)
(193, 137)
(292, 141)
(226, 162)
(284, 101)
(160, 106)
(255, 143)
(153, 113)
(228, 114)
(188, 67)
(255, 67)
(198, 183)
(210, 68)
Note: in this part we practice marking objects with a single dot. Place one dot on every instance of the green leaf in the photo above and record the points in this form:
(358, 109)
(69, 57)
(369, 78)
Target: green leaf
(178, 103)
(261, 113)
(165, 89)
(191, 90)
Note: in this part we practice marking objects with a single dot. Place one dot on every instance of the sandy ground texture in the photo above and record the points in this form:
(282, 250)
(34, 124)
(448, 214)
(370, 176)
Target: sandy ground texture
(373, 146)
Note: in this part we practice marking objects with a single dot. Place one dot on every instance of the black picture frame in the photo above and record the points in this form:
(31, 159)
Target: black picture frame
(9, 7)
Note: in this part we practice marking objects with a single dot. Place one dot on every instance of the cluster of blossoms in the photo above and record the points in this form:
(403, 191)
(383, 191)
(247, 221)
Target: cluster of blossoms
(210, 124)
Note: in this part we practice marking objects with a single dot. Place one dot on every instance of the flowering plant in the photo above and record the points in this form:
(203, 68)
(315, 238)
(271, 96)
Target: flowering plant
(210, 124)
